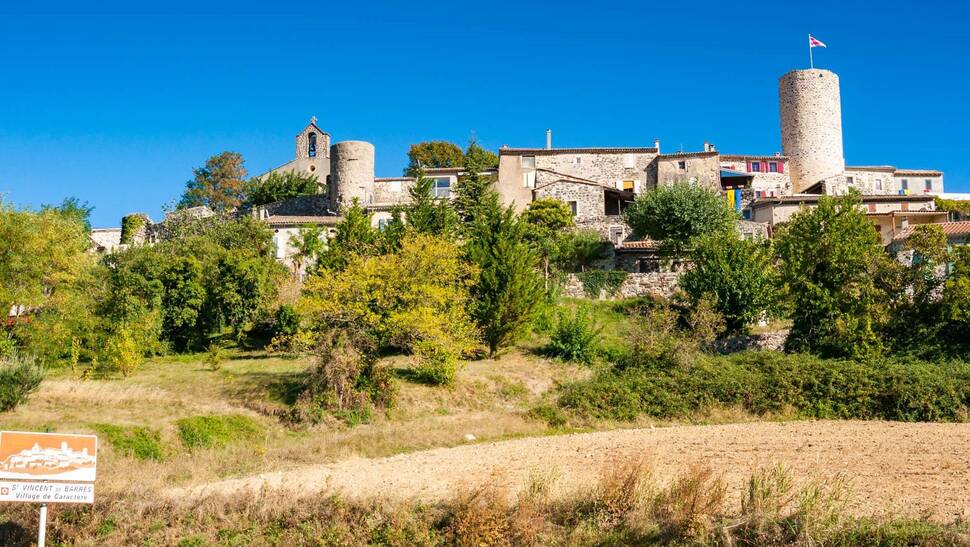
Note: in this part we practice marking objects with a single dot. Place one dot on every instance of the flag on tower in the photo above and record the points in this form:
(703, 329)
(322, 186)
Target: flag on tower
(813, 42)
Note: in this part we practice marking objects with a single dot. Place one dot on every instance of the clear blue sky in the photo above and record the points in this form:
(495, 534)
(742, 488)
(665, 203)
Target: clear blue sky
(116, 107)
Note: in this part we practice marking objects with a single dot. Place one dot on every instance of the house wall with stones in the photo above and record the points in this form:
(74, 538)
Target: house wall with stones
(698, 167)
(392, 189)
(634, 284)
(765, 181)
(588, 198)
(811, 126)
(875, 180)
(919, 181)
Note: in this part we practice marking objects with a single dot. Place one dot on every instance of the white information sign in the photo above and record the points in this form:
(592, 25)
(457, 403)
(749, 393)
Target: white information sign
(47, 492)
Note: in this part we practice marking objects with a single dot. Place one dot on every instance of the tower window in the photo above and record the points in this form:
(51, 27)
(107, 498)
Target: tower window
(312, 146)
(772, 166)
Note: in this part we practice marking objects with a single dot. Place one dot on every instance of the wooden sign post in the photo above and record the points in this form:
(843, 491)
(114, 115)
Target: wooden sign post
(47, 468)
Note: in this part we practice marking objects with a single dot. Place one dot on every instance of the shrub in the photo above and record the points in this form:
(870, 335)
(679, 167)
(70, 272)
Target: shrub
(677, 215)
(122, 352)
(214, 356)
(19, 377)
(771, 382)
(575, 337)
(139, 442)
(217, 431)
(436, 364)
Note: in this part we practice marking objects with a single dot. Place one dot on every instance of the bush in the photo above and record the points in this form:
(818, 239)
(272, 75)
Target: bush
(436, 365)
(575, 337)
(19, 377)
(217, 431)
(138, 442)
(771, 382)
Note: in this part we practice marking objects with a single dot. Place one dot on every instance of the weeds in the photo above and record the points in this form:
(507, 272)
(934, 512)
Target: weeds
(199, 432)
(139, 442)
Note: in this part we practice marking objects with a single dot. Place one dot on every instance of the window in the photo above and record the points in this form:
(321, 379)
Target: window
(395, 186)
(928, 185)
(773, 167)
(611, 206)
(629, 161)
(878, 184)
(382, 223)
(527, 162)
(578, 160)
(442, 187)
(872, 207)
(904, 184)
(629, 185)
(312, 146)
(850, 180)
(682, 165)
(572, 206)
(616, 235)
(529, 179)
(756, 167)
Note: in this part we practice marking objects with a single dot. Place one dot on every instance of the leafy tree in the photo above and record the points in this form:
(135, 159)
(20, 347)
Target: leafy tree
(577, 250)
(72, 208)
(478, 156)
(472, 187)
(278, 186)
(354, 235)
(828, 257)
(736, 276)
(956, 300)
(431, 154)
(219, 185)
(676, 215)
(508, 291)
(426, 214)
(310, 243)
(547, 220)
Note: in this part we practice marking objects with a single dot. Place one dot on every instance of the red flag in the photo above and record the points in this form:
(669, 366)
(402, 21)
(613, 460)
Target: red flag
(812, 42)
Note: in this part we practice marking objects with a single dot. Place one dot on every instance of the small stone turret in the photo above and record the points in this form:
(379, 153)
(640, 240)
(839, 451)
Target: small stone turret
(811, 126)
(352, 173)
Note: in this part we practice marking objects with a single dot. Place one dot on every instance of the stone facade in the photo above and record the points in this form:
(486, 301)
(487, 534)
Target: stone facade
(875, 180)
(764, 182)
(702, 168)
(774, 341)
(634, 284)
(352, 176)
(811, 126)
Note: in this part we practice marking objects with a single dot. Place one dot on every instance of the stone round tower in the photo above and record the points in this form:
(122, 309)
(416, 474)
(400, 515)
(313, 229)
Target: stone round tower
(811, 126)
(351, 172)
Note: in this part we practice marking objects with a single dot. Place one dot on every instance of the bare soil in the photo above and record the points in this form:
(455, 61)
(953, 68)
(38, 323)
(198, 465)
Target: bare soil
(900, 469)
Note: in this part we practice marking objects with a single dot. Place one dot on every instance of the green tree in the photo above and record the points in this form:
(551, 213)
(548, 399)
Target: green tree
(310, 243)
(736, 276)
(427, 214)
(577, 250)
(476, 155)
(354, 235)
(956, 300)
(278, 186)
(508, 291)
(219, 185)
(547, 221)
(473, 186)
(431, 154)
(828, 257)
(676, 215)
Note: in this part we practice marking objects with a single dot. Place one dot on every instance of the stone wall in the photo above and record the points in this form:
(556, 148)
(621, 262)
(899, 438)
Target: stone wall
(393, 190)
(871, 181)
(767, 341)
(635, 284)
(701, 168)
(589, 198)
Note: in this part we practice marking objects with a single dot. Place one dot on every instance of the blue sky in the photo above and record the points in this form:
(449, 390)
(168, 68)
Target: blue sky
(116, 107)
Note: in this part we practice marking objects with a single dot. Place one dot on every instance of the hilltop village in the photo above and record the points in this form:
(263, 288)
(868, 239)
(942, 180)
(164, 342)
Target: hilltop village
(598, 183)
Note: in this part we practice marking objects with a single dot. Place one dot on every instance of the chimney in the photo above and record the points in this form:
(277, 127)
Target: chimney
(656, 144)
(548, 139)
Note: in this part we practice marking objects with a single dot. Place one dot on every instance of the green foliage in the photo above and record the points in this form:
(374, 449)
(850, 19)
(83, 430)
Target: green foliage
(139, 442)
(122, 352)
(72, 209)
(596, 281)
(676, 215)
(426, 214)
(508, 292)
(354, 237)
(736, 275)
(547, 222)
(478, 156)
(277, 186)
(828, 258)
(217, 431)
(575, 337)
(19, 377)
(309, 243)
(960, 207)
(131, 225)
(436, 365)
(956, 300)
(577, 250)
(220, 185)
(771, 382)
(431, 154)
(472, 188)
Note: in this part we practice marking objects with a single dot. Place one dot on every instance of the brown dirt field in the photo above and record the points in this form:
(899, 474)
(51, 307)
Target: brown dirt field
(893, 468)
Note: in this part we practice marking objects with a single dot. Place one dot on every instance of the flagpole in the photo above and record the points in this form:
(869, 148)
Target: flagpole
(811, 61)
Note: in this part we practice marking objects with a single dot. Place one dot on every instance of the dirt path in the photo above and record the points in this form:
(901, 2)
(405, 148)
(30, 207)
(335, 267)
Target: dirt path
(914, 469)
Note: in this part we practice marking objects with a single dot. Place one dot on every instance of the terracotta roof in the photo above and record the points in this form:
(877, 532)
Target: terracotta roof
(918, 173)
(640, 244)
(921, 212)
(554, 151)
(288, 220)
(951, 229)
(734, 157)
